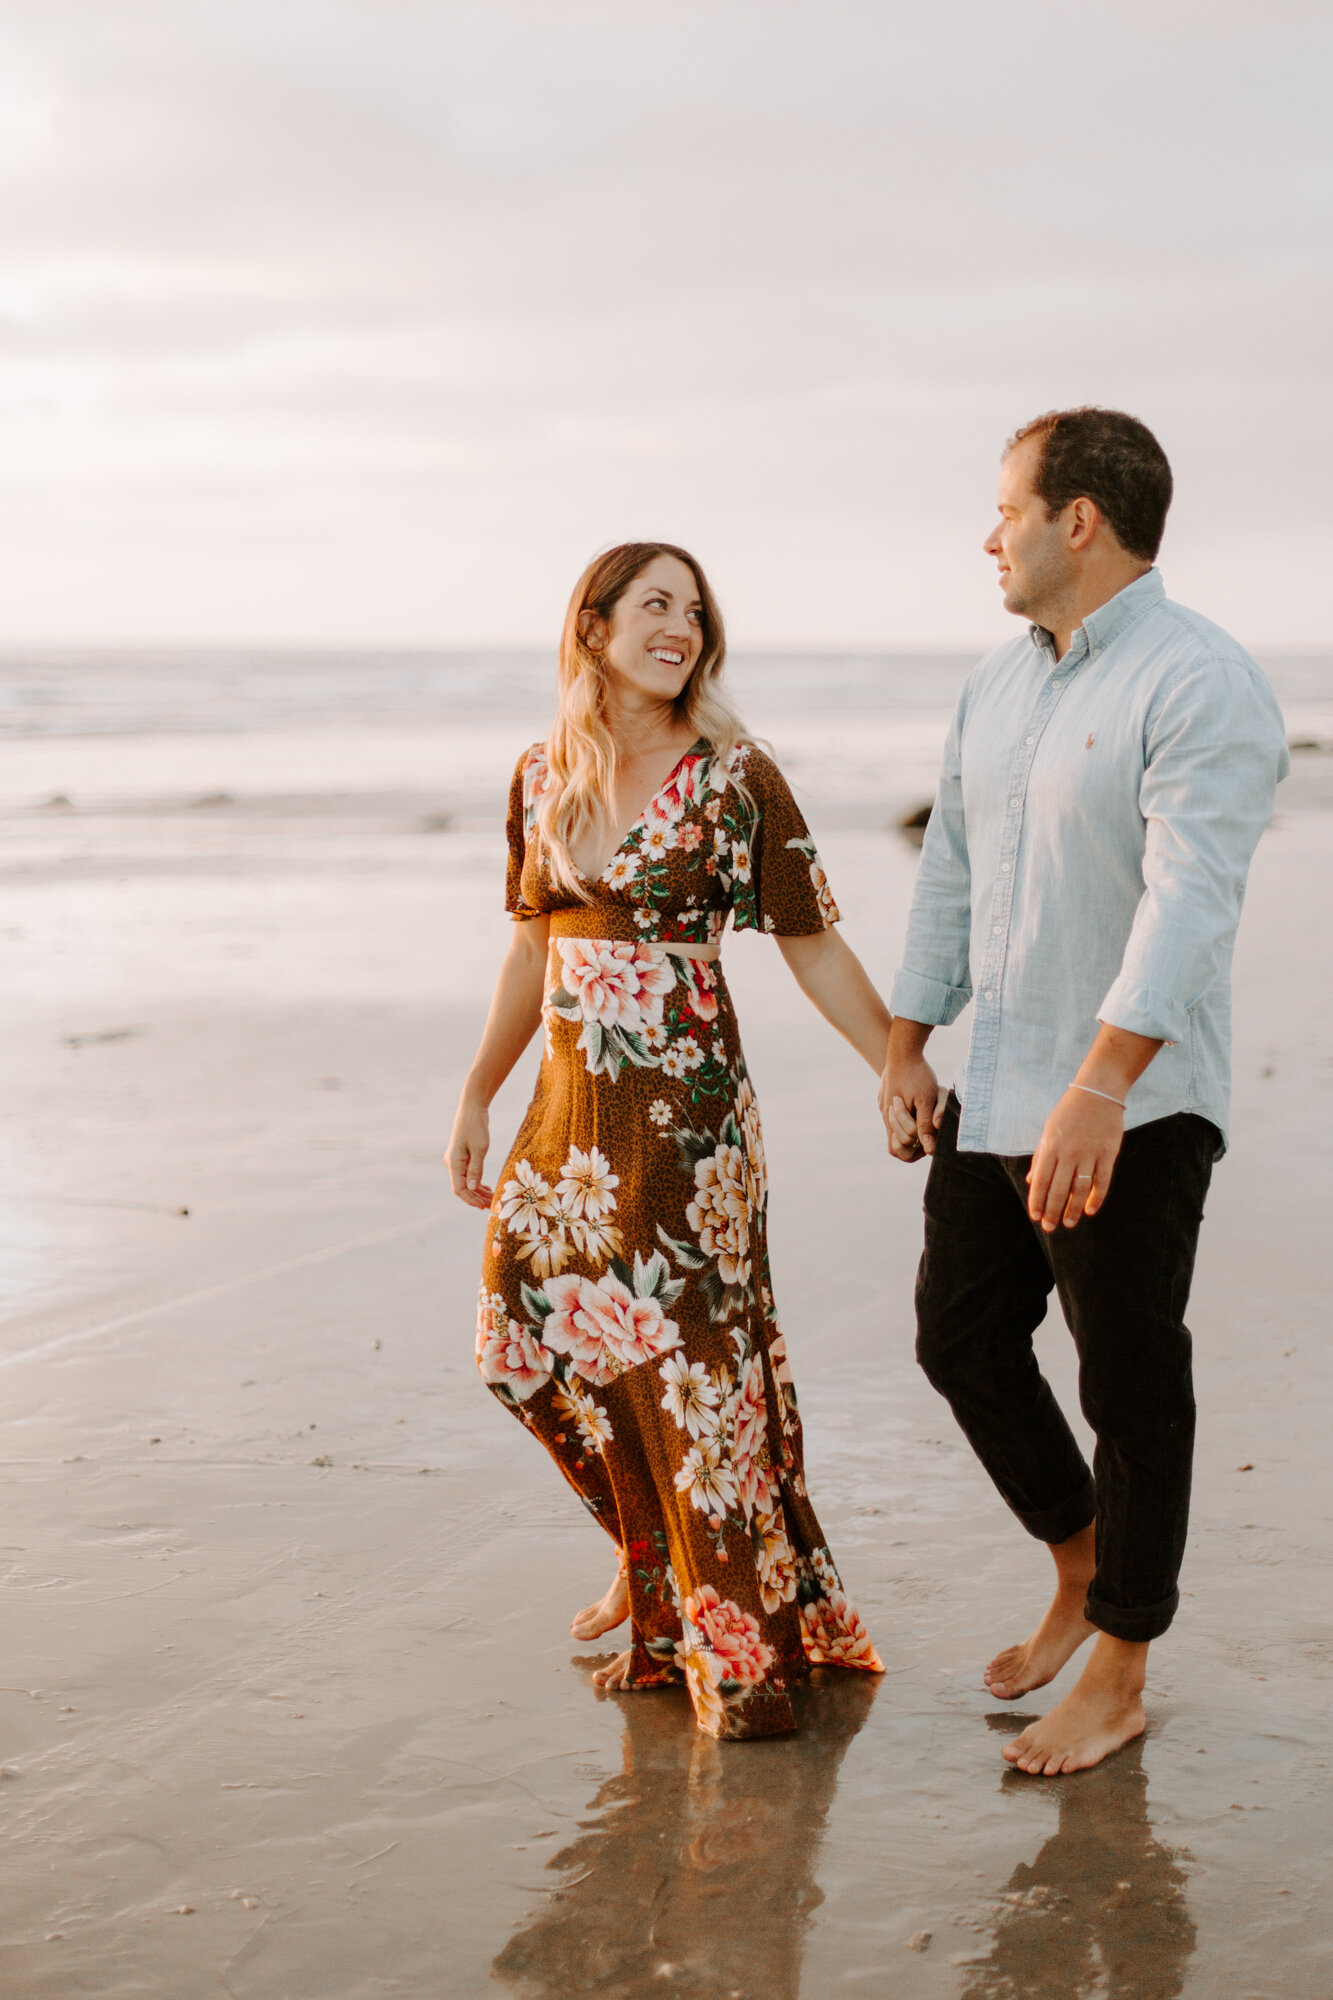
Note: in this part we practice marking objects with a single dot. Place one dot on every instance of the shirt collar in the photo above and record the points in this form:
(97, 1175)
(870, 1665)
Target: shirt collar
(1109, 620)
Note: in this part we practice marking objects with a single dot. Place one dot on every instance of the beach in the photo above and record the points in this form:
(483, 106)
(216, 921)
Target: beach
(289, 1703)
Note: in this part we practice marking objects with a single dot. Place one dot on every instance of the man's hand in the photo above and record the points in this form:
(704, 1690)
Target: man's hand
(1071, 1169)
(910, 1100)
(1072, 1166)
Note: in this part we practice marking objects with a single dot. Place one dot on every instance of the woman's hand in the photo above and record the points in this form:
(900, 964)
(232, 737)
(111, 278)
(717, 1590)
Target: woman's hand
(515, 1016)
(467, 1152)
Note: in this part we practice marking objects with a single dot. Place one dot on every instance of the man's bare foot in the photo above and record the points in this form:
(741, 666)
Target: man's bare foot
(606, 1614)
(1019, 1669)
(615, 1678)
(1101, 1713)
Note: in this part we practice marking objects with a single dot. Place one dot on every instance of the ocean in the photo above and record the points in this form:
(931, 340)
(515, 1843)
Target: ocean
(179, 743)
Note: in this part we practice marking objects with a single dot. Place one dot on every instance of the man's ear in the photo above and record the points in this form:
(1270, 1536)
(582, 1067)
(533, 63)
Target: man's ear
(1085, 519)
(592, 631)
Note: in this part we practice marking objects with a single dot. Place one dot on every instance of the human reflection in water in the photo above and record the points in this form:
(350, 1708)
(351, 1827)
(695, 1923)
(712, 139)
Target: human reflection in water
(1102, 1909)
(698, 1863)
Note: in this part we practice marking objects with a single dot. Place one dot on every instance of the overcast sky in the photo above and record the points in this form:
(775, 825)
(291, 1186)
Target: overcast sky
(361, 320)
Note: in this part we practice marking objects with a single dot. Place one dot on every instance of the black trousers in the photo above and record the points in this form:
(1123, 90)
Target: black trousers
(1123, 1278)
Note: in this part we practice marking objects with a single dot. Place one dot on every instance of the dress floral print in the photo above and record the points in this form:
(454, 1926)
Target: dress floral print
(626, 1315)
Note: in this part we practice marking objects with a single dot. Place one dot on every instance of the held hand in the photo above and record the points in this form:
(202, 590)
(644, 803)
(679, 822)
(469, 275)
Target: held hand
(467, 1154)
(1072, 1166)
(911, 1105)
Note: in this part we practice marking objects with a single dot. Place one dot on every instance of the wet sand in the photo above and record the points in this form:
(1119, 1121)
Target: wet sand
(289, 1708)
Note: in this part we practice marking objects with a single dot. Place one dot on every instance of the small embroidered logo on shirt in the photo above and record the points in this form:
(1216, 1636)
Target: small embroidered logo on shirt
(1091, 740)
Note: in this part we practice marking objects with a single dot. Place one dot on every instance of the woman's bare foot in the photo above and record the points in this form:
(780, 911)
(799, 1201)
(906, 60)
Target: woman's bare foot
(1019, 1669)
(615, 1678)
(606, 1614)
(1102, 1713)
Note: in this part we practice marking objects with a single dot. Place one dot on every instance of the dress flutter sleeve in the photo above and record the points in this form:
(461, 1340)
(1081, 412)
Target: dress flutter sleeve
(787, 893)
(529, 776)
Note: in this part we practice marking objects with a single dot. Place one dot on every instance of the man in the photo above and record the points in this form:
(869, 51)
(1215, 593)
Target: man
(1104, 784)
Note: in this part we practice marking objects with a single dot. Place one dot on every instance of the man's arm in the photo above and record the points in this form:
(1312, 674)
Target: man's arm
(934, 983)
(1216, 750)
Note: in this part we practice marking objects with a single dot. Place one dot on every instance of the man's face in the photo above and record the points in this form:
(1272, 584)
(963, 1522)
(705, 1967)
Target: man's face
(1034, 559)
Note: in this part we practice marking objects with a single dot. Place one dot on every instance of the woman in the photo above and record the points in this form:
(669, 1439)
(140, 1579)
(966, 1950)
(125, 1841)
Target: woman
(626, 1315)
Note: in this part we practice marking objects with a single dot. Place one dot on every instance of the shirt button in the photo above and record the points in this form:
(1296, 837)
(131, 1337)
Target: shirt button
(990, 992)
(1004, 868)
(1029, 739)
(1015, 803)
(998, 930)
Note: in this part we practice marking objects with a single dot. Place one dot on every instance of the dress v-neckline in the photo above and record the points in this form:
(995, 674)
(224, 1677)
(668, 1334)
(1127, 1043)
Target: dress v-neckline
(643, 812)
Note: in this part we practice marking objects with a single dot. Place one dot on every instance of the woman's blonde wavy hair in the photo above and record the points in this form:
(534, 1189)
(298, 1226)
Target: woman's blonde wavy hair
(580, 750)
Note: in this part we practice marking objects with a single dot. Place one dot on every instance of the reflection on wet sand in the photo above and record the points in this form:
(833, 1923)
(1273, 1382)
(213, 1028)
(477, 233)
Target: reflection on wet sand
(698, 1860)
(1102, 1909)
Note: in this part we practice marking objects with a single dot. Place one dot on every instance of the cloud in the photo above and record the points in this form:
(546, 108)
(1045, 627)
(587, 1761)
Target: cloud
(368, 319)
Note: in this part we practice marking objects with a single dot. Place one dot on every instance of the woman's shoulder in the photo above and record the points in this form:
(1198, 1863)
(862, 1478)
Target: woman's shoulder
(755, 768)
(532, 775)
(532, 771)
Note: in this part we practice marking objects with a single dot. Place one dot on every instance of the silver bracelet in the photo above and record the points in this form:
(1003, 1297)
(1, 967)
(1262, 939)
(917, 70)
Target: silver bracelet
(1100, 1093)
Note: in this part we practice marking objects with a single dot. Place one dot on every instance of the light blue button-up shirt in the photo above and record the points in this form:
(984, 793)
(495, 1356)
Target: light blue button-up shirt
(1086, 861)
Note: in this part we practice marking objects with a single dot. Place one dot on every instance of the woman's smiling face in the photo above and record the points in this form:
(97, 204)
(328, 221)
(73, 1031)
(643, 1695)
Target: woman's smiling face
(656, 631)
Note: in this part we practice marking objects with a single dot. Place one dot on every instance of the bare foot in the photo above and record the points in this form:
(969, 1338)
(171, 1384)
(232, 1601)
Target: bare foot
(1019, 1669)
(606, 1614)
(615, 1678)
(1101, 1713)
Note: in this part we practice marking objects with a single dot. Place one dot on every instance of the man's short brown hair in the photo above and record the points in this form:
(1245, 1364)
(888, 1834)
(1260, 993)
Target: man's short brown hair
(1107, 457)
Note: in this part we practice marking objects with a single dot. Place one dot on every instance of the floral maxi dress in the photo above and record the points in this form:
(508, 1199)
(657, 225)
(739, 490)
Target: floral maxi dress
(626, 1315)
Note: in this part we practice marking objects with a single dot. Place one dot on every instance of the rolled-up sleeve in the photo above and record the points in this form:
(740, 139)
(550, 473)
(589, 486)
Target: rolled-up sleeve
(1215, 752)
(933, 984)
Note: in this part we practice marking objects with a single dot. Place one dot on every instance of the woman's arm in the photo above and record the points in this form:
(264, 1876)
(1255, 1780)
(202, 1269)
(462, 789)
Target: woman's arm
(834, 980)
(515, 1016)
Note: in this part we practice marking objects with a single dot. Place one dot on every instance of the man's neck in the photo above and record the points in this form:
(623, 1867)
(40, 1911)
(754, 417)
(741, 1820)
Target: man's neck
(1088, 596)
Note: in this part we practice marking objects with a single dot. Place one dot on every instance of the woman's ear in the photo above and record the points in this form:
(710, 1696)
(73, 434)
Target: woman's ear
(592, 631)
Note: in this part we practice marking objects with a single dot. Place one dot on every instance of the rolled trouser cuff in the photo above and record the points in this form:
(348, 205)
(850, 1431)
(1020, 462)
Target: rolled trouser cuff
(1138, 1624)
(1057, 1524)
